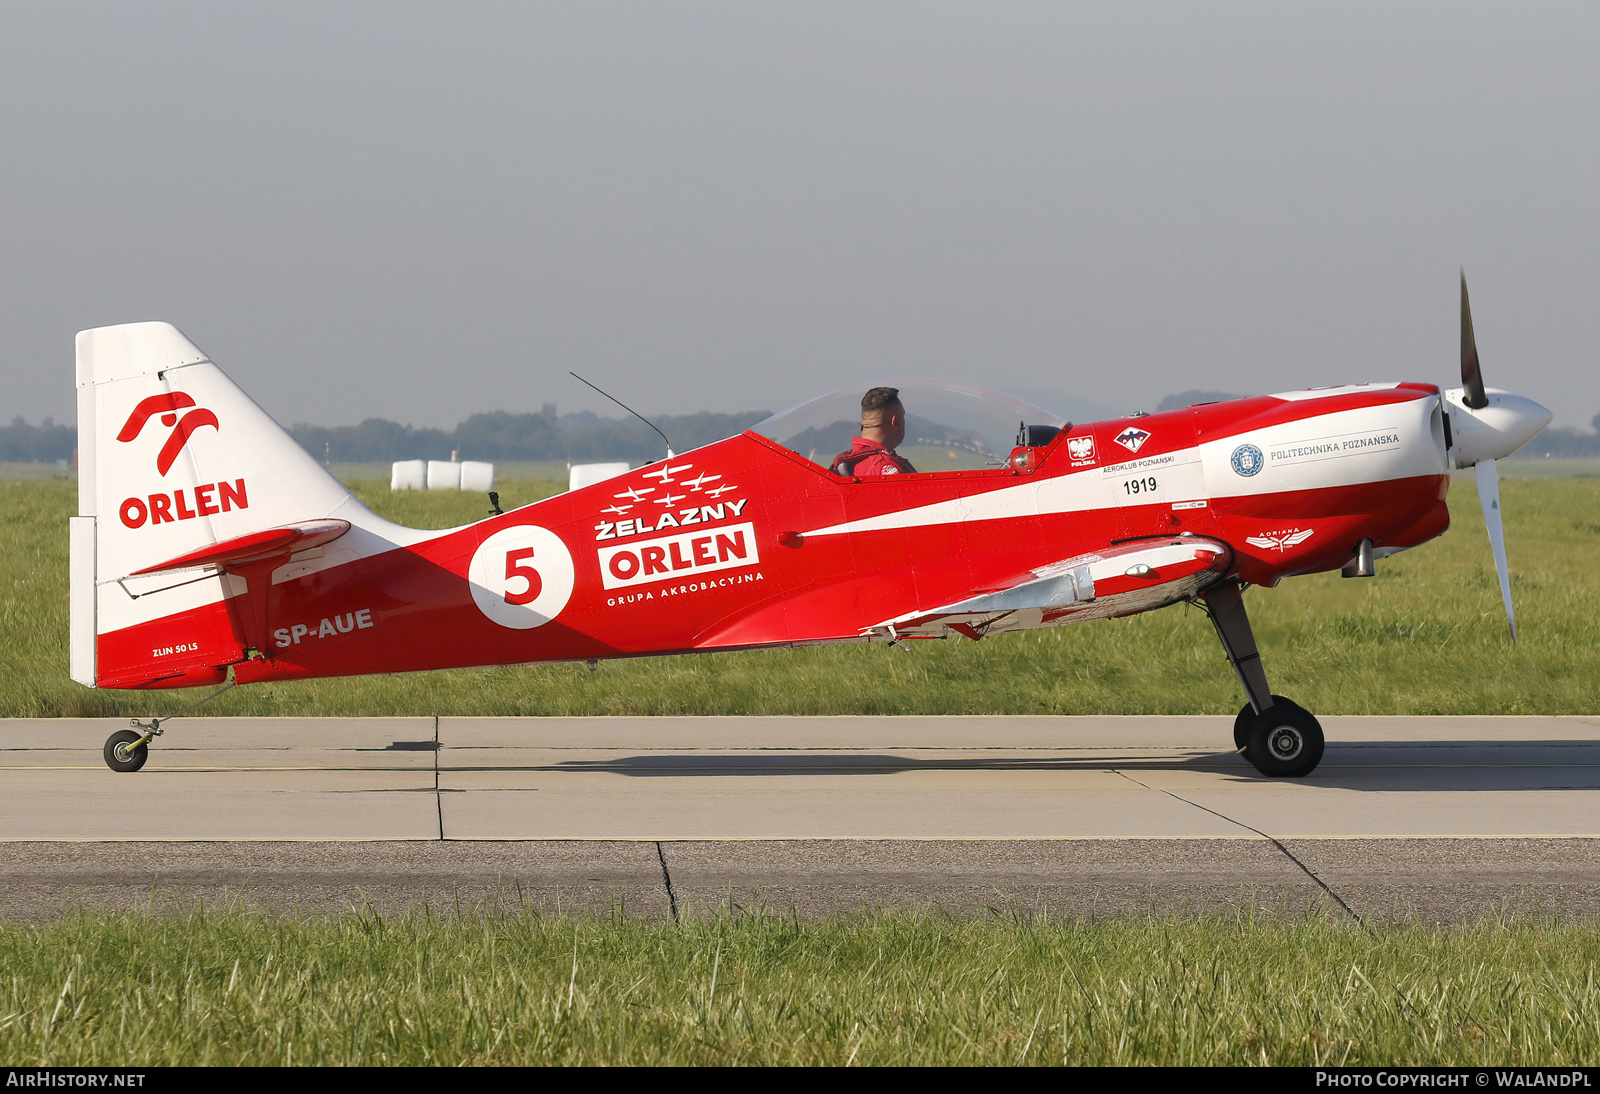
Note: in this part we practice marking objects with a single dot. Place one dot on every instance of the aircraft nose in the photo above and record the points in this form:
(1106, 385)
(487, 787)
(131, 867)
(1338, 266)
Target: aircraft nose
(1494, 431)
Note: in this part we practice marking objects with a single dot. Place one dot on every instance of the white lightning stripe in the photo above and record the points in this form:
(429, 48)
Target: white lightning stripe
(1092, 488)
(1068, 493)
(1414, 455)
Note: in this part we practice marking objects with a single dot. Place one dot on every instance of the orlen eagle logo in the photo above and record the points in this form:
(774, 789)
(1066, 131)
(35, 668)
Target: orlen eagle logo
(208, 498)
(167, 406)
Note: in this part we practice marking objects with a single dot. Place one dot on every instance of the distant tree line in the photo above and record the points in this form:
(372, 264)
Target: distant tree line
(1565, 442)
(42, 443)
(502, 435)
(1190, 398)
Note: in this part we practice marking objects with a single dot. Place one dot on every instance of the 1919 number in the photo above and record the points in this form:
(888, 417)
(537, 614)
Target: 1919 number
(1139, 486)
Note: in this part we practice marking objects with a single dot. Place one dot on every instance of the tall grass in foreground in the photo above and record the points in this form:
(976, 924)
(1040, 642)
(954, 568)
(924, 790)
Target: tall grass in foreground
(894, 989)
(1426, 636)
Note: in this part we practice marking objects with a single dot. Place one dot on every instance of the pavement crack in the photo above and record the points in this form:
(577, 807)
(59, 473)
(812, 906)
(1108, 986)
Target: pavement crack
(666, 879)
(1288, 854)
(438, 798)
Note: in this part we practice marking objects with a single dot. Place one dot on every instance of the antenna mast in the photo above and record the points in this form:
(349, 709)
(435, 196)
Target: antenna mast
(630, 410)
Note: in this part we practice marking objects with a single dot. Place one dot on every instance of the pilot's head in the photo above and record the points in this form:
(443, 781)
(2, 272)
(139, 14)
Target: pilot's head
(883, 419)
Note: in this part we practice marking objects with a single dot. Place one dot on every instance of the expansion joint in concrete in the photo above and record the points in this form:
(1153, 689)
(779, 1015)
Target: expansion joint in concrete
(1308, 871)
(438, 798)
(666, 879)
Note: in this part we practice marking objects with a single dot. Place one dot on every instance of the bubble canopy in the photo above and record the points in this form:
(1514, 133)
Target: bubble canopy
(950, 426)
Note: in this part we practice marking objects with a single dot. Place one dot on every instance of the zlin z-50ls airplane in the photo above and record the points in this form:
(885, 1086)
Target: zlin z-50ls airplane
(210, 543)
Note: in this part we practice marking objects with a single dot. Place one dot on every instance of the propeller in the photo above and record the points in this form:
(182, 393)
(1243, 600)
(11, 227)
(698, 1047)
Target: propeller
(1489, 498)
(1485, 426)
(1474, 397)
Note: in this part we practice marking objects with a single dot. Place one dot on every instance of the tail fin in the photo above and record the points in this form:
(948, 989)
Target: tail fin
(177, 467)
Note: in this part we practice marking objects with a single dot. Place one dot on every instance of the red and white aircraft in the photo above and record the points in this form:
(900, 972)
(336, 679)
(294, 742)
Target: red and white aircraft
(210, 543)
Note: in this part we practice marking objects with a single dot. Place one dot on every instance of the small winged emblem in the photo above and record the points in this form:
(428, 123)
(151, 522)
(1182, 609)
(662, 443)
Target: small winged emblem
(1283, 540)
(665, 473)
(1132, 438)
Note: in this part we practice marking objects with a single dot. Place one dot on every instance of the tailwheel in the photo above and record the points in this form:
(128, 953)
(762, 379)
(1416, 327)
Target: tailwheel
(127, 750)
(1284, 741)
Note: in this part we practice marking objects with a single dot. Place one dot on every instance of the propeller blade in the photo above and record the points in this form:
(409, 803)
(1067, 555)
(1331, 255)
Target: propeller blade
(1471, 375)
(1489, 498)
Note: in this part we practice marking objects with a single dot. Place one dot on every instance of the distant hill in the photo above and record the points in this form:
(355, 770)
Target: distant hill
(1562, 442)
(1189, 398)
(503, 435)
(42, 443)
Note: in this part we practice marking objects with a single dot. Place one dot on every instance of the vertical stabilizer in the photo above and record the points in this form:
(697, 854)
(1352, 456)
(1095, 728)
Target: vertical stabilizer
(173, 458)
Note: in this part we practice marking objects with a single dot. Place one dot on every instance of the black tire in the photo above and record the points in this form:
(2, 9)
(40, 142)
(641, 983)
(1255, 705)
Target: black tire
(1285, 742)
(119, 757)
(1241, 724)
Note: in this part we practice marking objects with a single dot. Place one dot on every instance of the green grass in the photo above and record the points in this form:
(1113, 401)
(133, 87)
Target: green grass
(232, 989)
(1426, 636)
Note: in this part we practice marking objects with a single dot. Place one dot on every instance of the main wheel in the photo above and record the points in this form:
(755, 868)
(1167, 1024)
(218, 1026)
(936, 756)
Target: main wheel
(1241, 724)
(1285, 741)
(120, 756)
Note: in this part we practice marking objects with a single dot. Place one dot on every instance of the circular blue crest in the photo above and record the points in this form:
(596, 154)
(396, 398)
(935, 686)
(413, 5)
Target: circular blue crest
(1247, 460)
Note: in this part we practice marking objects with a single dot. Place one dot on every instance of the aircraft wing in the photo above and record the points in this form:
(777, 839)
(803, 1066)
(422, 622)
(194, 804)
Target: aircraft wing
(1119, 580)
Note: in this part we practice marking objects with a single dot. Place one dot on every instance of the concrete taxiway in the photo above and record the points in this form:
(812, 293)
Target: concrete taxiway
(1432, 817)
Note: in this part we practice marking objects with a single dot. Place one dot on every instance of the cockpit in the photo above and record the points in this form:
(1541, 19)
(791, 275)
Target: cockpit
(949, 426)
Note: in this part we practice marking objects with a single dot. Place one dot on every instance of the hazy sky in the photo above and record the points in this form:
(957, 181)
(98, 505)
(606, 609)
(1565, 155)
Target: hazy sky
(422, 211)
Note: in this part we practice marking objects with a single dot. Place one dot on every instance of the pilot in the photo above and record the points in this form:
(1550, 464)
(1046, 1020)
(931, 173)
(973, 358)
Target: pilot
(883, 427)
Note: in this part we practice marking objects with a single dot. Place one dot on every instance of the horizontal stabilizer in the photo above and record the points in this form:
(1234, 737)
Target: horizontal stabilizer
(255, 547)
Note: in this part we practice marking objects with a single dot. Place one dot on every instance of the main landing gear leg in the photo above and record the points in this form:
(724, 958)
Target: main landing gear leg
(1276, 735)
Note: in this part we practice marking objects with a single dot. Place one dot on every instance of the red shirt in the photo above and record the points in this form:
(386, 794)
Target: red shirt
(870, 458)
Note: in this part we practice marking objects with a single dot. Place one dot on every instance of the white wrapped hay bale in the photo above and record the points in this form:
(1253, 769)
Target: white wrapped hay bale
(587, 474)
(477, 476)
(444, 475)
(408, 475)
